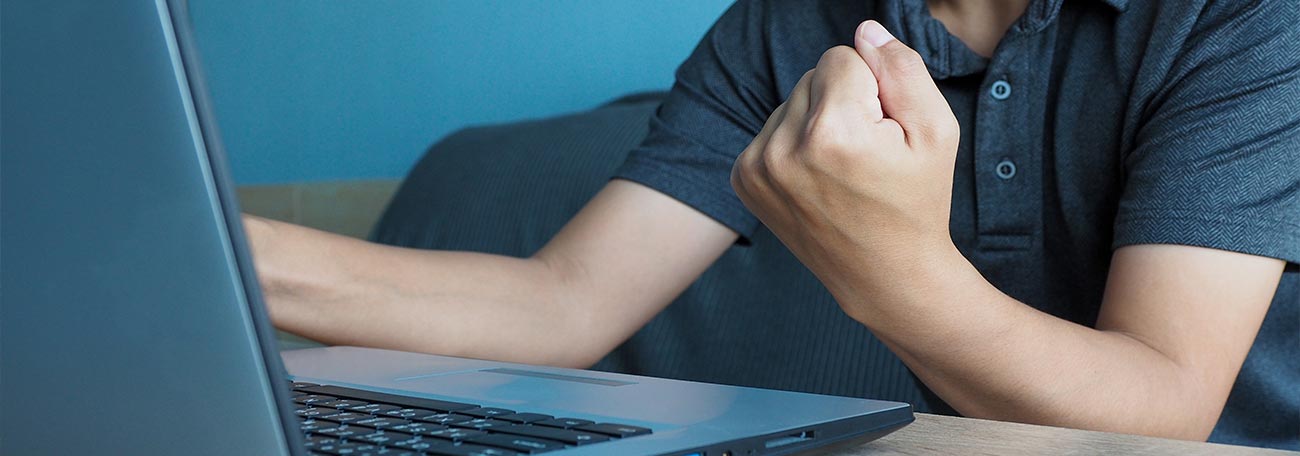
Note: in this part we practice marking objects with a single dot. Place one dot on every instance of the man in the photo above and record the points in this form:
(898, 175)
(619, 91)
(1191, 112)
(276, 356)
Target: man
(1074, 214)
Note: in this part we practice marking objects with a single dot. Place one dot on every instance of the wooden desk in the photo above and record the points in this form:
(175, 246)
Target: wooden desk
(937, 434)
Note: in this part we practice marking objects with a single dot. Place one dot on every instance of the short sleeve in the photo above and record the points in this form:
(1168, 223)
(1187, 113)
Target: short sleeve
(720, 101)
(1216, 159)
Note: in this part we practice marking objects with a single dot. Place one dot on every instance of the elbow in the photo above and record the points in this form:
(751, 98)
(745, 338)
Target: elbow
(1184, 398)
(1194, 419)
(1183, 415)
(1193, 428)
(1195, 423)
(576, 328)
(588, 337)
(581, 348)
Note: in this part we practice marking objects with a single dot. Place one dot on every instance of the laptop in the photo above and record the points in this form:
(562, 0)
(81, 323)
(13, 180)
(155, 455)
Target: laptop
(132, 322)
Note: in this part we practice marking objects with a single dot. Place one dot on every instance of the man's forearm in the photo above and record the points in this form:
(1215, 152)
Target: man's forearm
(615, 265)
(991, 356)
(341, 290)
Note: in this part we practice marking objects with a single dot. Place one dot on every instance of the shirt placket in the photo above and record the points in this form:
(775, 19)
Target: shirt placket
(1008, 145)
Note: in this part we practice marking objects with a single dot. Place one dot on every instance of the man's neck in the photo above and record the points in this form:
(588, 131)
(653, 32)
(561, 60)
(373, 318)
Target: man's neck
(978, 23)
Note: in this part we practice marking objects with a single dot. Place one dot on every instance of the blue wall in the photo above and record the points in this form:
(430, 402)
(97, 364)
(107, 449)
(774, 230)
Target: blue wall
(334, 89)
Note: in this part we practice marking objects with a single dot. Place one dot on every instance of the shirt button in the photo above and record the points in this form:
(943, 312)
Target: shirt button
(1001, 90)
(1006, 169)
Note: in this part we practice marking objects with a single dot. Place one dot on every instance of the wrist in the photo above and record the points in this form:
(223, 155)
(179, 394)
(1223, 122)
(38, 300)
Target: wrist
(896, 282)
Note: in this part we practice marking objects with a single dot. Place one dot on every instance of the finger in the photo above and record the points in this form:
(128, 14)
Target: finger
(764, 136)
(786, 133)
(907, 92)
(776, 130)
(800, 96)
(843, 80)
(750, 160)
(751, 175)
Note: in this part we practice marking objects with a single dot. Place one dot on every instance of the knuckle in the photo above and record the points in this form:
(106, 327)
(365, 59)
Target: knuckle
(770, 163)
(744, 166)
(823, 139)
(744, 172)
(738, 179)
(837, 58)
(951, 130)
(946, 131)
(805, 83)
(837, 53)
(818, 133)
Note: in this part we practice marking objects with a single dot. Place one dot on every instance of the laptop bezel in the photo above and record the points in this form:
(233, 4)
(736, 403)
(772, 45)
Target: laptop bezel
(178, 11)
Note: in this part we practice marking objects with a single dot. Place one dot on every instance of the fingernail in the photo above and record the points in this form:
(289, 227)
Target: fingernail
(874, 33)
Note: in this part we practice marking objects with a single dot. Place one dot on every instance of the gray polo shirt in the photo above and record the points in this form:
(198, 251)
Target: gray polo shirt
(1095, 125)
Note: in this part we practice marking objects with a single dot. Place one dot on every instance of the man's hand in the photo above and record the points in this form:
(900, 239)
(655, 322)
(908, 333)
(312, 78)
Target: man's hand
(858, 160)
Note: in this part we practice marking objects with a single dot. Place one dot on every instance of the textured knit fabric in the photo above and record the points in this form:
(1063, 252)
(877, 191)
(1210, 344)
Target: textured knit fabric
(507, 189)
(1095, 125)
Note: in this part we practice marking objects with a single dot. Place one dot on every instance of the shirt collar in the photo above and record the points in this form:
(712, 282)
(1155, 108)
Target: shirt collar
(945, 55)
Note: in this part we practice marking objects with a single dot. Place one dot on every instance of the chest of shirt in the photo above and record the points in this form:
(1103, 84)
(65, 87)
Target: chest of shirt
(1039, 170)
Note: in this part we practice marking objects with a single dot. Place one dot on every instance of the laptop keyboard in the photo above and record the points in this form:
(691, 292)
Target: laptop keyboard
(348, 421)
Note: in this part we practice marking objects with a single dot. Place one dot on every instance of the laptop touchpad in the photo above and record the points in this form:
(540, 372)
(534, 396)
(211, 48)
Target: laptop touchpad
(528, 387)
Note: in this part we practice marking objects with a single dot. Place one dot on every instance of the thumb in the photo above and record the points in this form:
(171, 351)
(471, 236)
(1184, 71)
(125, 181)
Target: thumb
(907, 92)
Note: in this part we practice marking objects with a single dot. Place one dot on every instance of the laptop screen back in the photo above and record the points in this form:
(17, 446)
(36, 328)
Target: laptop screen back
(125, 315)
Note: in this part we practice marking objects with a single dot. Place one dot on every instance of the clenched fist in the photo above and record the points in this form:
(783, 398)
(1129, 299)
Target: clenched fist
(855, 169)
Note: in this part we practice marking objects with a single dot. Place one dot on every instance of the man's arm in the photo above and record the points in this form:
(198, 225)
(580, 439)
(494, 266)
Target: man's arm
(626, 255)
(854, 174)
(1175, 326)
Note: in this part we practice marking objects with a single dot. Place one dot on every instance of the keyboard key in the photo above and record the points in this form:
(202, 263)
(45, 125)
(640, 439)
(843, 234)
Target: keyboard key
(340, 416)
(614, 429)
(379, 422)
(559, 435)
(455, 435)
(313, 398)
(328, 442)
(386, 451)
(445, 418)
(318, 425)
(482, 424)
(408, 413)
(345, 431)
(375, 409)
(486, 412)
(348, 448)
(564, 423)
(418, 428)
(518, 443)
(341, 403)
(469, 450)
(419, 444)
(382, 437)
(315, 440)
(405, 401)
(309, 412)
(524, 418)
